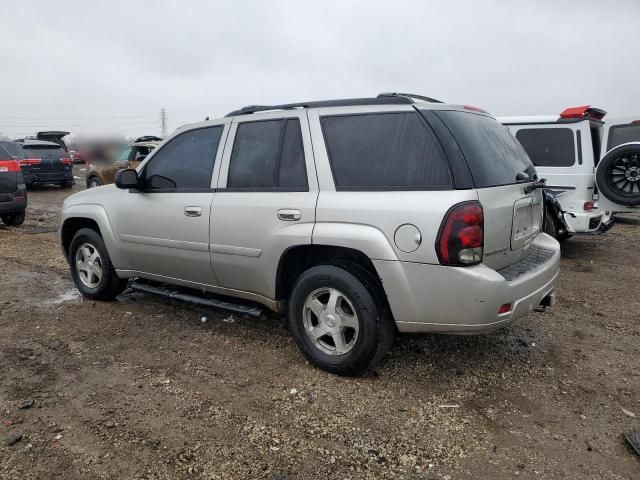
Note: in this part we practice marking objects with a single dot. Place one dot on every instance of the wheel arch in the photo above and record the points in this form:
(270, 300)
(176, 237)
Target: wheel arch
(94, 217)
(297, 259)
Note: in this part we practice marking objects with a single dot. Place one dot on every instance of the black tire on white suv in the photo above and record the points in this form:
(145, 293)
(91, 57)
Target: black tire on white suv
(105, 286)
(619, 165)
(375, 330)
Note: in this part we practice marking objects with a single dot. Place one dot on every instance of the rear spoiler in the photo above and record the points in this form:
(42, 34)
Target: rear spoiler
(586, 112)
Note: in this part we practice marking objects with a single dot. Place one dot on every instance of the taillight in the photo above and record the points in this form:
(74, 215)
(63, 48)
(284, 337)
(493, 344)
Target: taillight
(588, 206)
(30, 161)
(461, 238)
(9, 166)
(66, 160)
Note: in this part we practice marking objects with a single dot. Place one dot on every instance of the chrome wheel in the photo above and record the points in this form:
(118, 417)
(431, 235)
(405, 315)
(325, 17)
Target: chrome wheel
(94, 183)
(89, 265)
(330, 321)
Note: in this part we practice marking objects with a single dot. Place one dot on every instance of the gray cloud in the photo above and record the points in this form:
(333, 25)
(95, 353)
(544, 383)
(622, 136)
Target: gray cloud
(69, 59)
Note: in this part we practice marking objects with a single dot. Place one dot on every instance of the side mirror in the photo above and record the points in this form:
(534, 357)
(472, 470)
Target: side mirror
(127, 178)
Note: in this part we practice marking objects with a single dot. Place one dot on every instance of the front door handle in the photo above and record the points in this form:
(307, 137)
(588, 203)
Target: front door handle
(289, 215)
(192, 211)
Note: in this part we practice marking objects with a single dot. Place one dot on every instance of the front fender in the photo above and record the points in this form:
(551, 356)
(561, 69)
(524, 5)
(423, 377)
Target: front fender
(98, 214)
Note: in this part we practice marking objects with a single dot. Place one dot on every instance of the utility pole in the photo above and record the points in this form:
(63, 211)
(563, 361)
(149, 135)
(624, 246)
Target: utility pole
(163, 122)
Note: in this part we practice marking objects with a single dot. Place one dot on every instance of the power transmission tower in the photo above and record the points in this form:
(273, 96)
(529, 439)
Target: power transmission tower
(163, 122)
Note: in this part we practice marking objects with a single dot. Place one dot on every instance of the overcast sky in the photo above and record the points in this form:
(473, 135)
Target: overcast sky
(79, 64)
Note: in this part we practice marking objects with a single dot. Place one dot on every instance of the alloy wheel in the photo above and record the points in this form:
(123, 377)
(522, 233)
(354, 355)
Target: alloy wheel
(89, 265)
(330, 321)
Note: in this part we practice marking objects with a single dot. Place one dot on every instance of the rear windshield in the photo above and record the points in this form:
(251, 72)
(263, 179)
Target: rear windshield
(14, 149)
(494, 156)
(623, 134)
(548, 147)
(44, 151)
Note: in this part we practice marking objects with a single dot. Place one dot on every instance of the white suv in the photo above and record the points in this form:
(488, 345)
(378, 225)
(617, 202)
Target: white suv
(591, 166)
(355, 217)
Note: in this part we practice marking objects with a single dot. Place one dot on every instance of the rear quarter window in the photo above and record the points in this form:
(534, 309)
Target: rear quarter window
(549, 147)
(494, 156)
(14, 149)
(620, 134)
(384, 151)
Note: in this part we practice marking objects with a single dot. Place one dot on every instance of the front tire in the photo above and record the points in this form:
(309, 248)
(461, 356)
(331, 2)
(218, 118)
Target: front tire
(14, 219)
(94, 182)
(336, 322)
(67, 185)
(91, 267)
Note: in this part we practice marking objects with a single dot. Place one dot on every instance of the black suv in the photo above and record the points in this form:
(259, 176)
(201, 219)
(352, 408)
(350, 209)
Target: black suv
(43, 162)
(13, 194)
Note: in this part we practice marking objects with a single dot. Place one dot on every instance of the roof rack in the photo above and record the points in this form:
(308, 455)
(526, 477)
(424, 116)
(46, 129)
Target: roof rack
(381, 99)
(409, 95)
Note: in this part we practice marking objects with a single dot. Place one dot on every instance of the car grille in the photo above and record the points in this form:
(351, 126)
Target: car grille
(536, 258)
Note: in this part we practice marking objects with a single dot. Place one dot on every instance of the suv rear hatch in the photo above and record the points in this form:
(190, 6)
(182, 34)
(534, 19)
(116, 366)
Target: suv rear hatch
(503, 176)
(51, 158)
(53, 136)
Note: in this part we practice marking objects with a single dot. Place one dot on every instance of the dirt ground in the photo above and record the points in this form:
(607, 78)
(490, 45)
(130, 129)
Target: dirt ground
(142, 388)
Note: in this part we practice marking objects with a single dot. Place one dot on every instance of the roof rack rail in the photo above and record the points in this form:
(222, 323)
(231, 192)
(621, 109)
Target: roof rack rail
(409, 95)
(382, 99)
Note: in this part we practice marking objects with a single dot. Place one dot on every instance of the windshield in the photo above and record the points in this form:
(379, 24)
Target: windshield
(122, 155)
(494, 156)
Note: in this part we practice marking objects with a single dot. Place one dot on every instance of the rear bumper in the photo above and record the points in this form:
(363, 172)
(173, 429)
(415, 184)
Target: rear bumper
(585, 222)
(459, 300)
(17, 204)
(48, 177)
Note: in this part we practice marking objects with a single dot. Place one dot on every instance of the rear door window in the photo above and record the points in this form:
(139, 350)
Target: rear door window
(549, 147)
(268, 155)
(620, 134)
(384, 151)
(186, 162)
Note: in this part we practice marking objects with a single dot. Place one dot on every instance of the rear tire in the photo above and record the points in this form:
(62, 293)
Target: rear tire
(91, 267)
(550, 227)
(14, 219)
(348, 335)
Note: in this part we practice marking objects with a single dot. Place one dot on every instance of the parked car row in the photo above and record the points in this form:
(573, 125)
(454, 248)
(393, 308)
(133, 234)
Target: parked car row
(44, 160)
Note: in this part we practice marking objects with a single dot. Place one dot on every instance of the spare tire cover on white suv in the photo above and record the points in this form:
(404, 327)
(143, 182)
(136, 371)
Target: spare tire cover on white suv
(618, 175)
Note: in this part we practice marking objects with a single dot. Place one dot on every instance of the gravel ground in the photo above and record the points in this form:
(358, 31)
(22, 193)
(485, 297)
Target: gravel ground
(142, 388)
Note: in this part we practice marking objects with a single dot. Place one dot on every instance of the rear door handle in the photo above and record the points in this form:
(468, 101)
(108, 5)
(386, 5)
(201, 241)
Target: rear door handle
(192, 211)
(289, 215)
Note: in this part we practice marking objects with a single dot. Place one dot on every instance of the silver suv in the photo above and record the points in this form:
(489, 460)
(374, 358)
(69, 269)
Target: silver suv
(357, 218)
